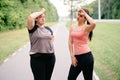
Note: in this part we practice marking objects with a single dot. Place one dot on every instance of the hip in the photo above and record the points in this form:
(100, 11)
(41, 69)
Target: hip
(42, 55)
(85, 56)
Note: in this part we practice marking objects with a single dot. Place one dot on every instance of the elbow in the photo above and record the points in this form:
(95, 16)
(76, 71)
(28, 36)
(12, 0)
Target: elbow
(94, 23)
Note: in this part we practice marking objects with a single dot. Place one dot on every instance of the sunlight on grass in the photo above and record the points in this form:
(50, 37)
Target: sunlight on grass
(105, 46)
(11, 41)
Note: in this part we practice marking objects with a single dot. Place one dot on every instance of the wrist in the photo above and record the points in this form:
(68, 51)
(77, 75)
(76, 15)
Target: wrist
(72, 55)
(42, 10)
(35, 14)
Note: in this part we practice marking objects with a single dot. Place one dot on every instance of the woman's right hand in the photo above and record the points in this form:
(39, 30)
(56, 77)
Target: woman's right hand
(32, 17)
(43, 10)
(74, 61)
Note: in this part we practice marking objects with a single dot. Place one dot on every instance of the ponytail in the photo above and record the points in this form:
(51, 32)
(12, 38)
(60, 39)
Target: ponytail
(90, 34)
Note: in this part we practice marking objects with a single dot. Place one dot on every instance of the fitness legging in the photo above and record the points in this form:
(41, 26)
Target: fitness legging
(85, 64)
(42, 66)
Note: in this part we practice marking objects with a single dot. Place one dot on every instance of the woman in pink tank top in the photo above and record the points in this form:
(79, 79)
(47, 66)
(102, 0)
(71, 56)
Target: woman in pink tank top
(81, 55)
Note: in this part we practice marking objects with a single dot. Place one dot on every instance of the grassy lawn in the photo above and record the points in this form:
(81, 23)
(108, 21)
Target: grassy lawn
(10, 41)
(106, 50)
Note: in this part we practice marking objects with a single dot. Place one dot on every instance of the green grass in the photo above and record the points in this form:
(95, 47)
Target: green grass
(10, 41)
(106, 50)
(106, 47)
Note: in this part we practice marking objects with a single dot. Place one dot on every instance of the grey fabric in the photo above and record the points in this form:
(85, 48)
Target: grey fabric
(40, 41)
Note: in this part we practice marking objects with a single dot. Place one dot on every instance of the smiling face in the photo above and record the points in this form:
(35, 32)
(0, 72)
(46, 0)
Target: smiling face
(40, 19)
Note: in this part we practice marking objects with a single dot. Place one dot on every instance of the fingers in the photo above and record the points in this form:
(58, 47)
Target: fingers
(81, 10)
(74, 61)
(75, 64)
(43, 10)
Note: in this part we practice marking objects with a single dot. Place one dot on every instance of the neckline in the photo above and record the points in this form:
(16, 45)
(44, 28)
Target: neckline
(77, 28)
(40, 27)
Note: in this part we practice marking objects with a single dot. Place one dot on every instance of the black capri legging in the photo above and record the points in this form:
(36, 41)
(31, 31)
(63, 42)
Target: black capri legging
(42, 65)
(85, 63)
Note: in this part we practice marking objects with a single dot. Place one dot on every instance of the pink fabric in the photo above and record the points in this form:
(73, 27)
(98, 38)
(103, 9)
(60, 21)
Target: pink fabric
(80, 42)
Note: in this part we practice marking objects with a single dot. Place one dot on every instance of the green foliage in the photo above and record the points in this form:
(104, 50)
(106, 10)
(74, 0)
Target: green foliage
(13, 13)
(109, 9)
(92, 9)
(23, 1)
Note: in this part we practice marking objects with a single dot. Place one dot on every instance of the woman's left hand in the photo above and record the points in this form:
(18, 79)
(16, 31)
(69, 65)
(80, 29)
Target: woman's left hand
(74, 61)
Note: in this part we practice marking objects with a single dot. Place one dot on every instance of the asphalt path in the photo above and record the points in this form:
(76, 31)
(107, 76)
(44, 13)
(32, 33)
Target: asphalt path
(17, 66)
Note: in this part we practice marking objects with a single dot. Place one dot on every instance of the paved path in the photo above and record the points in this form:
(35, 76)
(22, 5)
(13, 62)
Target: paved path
(17, 66)
(62, 53)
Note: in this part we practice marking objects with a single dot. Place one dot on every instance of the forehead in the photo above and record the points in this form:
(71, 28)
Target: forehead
(79, 12)
(42, 15)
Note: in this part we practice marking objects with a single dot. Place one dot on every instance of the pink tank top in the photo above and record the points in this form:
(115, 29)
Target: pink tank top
(80, 41)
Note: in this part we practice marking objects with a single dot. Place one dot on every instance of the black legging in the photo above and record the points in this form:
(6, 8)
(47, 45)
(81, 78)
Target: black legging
(42, 66)
(85, 63)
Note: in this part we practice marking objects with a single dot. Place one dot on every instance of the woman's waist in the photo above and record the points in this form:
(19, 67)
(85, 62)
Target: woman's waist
(34, 51)
(38, 54)
(81, 47)
(82, 50)
(39, 49)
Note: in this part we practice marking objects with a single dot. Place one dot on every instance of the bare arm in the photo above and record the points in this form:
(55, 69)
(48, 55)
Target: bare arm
(92, 24)
(73, 58)
(32, 17)
(70, 43)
